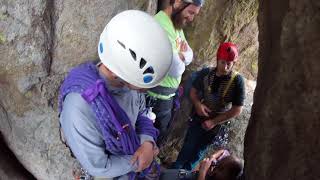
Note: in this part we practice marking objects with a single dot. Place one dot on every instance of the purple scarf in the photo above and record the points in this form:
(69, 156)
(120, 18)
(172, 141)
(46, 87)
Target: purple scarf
(119, 135)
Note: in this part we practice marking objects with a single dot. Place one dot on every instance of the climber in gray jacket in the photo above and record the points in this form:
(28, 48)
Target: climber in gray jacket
(102, 112)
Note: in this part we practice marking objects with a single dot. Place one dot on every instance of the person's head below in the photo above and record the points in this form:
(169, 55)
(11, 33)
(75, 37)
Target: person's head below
(183, 11)
(134, 50)
(229, 168)
(227, 56)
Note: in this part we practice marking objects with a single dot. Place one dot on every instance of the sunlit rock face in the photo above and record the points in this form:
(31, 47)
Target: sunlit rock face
(40, 41)
(282, 139)
(234, 20)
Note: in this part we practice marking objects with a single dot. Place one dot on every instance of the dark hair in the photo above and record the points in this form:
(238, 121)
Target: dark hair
(163, 4)
(233, 169)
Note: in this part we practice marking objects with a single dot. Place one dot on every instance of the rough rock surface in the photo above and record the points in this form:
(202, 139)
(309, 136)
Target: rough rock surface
(39, 41)
(235, 19)
(282, 140)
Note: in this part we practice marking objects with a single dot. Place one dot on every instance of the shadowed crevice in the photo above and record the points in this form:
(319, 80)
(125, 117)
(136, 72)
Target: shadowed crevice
(10, 167)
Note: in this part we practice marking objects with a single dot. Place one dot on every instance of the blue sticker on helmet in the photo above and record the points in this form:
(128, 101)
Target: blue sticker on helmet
(101, 48)
(147, 79)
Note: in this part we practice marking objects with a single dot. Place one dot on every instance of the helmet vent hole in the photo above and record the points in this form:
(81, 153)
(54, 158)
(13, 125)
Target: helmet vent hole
(101, 48)
(149, 70)
(121, 44)
(133, 54)
(142, 63)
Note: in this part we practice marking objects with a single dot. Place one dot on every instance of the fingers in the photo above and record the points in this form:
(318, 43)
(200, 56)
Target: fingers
(202, 109)
(144, 156)
(181, 56)
(205, 113)
(217, 154)
(140, 163)
(183, 47)
(134, 158)
(156, 152)
(205, 164)
(205, 125)
(135, 161)
(143, 164)
(205, 110)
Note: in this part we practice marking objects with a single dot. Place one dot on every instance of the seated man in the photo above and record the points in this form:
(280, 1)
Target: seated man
(220, 166)
(101, 107)
(217, 95)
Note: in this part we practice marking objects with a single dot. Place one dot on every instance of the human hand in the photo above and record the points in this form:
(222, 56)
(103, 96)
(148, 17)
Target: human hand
(181, 57)
(183, 46)
(208, 124)
(156, 152)
(203, 168)
(202, 110)
(217, 154)
(143, 156)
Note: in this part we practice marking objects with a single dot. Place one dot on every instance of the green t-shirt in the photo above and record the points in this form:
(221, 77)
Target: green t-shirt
(175, 37)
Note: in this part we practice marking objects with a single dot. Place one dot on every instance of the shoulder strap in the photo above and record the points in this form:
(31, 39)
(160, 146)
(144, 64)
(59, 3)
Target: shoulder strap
(233, 75)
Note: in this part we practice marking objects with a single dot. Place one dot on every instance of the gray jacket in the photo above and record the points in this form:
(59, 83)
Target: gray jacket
(84, 137)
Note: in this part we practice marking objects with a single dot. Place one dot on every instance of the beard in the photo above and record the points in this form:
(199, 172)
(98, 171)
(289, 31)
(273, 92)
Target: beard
(179, 21)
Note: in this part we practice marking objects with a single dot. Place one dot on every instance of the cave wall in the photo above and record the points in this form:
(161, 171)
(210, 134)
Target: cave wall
(282, 139)
(40, 41)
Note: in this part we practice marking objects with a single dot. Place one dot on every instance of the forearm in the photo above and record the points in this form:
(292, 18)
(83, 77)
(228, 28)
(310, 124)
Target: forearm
(188, 55)
(233, 112)
(177, 67)
(201, 176)
(194, 97)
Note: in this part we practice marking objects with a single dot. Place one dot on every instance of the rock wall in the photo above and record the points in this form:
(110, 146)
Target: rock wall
(282, 139)
(237, 20)
(39, 41)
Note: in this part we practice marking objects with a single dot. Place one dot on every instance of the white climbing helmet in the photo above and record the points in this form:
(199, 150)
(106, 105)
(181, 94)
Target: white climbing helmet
(136, 48)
